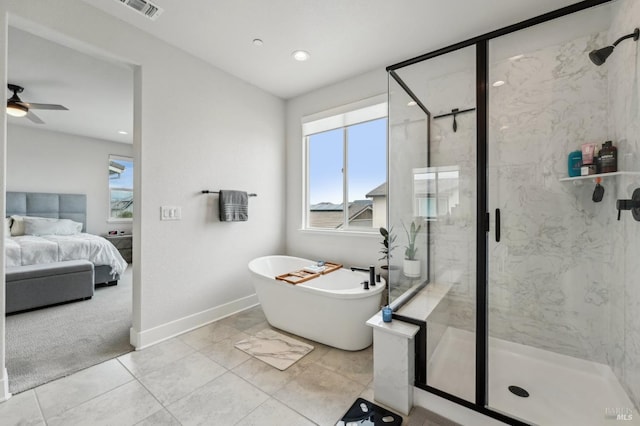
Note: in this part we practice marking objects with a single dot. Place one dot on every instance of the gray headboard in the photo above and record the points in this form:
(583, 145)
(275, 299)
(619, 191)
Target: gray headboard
(58, 206)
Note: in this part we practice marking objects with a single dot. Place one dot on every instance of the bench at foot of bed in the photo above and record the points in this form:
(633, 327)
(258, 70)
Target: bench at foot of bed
(35, 286)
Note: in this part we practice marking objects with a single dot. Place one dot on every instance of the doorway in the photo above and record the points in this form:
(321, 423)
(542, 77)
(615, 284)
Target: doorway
(68, 151)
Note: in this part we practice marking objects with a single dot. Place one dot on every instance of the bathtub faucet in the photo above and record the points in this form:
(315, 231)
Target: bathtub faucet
(372, 275)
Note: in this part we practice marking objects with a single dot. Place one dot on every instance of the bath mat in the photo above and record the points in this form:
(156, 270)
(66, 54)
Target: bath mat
(363, 412)
(274, 348)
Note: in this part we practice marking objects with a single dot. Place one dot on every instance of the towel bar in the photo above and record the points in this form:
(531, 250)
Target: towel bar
(206, 191)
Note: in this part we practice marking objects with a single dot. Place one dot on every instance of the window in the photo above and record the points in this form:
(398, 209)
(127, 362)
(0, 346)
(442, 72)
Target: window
(346, 170)
(436, 192)
(120, 188)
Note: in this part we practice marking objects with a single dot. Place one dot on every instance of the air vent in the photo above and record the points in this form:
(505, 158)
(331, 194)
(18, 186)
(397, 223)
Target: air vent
(144, 7)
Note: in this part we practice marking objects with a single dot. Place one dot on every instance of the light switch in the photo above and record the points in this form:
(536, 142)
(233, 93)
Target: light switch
(170, 213)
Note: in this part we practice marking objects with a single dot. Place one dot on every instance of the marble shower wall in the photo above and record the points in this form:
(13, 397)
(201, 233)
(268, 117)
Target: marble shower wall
(624, 123)
(441, 84)
(453, 236)
(548, 277)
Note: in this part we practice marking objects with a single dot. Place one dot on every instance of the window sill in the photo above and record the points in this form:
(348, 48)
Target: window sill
(350, 233)
(114, 220)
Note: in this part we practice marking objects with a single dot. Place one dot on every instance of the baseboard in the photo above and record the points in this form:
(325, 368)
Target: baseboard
(145, 338)
(4, 386)
(450, 410)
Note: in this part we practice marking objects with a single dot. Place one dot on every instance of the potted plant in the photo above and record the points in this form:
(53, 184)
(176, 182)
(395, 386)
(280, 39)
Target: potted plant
(411, 264)
(388, 239)
(387, 244)
(387, 247)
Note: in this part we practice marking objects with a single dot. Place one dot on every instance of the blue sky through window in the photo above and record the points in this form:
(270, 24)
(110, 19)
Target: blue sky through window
(120, 188)
(124, 179)
(325, 167)
(367, 163)
(367, 157)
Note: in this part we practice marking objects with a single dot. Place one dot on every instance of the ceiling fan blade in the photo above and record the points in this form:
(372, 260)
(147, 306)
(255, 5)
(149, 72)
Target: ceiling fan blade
(31, 116)
(32, 105)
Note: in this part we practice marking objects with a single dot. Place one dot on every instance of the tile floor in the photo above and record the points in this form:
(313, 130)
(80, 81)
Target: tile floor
(199, 378)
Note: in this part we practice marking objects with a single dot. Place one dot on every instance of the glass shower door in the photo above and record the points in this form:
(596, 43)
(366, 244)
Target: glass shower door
(432, 185)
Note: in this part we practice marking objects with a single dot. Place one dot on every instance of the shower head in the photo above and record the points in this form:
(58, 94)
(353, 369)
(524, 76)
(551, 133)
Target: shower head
(599, 56)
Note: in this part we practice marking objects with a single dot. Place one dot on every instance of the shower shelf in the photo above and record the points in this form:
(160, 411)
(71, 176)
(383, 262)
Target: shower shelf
(602, 175)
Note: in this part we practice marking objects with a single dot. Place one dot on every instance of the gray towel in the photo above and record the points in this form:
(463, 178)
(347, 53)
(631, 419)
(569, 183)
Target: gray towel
(233, 206)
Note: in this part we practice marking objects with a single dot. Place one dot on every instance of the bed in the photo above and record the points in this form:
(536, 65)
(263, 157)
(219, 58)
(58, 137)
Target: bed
(24, 250)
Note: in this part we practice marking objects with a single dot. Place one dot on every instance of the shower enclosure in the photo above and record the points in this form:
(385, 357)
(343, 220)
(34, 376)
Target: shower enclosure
(527, 292)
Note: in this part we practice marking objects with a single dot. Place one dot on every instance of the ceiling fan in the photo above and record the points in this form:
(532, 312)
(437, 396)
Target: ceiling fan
(17, 108)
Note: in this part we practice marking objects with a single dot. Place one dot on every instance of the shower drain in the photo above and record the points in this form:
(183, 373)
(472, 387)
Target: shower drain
(517, 390)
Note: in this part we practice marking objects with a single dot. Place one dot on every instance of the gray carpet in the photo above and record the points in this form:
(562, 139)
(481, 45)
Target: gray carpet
(50, 343)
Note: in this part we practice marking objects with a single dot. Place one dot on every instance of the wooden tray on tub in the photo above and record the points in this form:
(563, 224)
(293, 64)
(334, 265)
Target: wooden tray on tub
(300, 276)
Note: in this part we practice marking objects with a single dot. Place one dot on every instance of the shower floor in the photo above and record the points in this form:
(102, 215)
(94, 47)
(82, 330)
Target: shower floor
(562, 390)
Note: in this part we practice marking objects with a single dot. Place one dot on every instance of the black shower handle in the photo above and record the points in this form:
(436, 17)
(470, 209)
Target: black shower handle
(497, 225)
(633, 204)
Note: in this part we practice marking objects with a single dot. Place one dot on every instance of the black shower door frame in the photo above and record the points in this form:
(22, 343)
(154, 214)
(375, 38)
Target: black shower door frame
(483, 218)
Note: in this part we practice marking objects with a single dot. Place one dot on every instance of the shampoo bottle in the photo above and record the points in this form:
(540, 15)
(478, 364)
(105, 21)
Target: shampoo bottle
(608, 158)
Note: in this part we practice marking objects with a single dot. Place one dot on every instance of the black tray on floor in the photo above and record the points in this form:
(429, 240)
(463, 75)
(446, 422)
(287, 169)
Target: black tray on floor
(365, 413)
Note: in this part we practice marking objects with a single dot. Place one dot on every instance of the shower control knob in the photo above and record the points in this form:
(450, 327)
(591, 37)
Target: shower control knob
(633, 204)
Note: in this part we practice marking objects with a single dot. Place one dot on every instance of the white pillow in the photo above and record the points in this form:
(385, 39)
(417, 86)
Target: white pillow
(17, 226)
(46, 226)
(7, 226)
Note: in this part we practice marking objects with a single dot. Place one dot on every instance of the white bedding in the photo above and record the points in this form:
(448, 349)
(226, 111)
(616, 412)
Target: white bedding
(30, 250)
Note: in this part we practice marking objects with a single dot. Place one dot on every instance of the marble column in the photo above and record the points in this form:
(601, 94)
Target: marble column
(393, 363)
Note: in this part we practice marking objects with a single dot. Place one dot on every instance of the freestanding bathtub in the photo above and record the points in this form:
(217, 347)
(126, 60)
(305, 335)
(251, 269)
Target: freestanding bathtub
(330, 309)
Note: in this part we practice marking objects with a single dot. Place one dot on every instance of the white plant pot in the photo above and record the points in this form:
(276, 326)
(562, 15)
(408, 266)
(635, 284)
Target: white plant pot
(411, 268)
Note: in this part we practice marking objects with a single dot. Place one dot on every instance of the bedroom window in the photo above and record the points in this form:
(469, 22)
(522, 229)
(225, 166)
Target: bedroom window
(120, 188)
(346, 170)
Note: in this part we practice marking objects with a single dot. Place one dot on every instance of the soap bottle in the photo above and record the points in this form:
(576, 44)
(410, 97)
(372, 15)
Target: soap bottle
(608, 157)
(575, 162)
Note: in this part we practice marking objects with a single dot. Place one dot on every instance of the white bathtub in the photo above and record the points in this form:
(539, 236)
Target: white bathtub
(331, 309)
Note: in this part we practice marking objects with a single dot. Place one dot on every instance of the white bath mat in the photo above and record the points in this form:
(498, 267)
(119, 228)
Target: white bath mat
(274, 348)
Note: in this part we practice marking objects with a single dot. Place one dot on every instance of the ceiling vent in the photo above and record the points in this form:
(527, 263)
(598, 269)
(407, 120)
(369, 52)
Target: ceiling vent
(144, 7)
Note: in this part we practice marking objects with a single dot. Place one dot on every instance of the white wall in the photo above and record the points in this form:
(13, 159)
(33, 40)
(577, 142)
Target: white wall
(44, 161)
(231, 136)
(349, 249)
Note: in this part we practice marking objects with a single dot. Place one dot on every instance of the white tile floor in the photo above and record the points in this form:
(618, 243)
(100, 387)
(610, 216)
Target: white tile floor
(199, 378)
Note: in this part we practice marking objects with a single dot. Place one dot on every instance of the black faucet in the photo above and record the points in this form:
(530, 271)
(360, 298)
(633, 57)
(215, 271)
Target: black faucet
(372, 275)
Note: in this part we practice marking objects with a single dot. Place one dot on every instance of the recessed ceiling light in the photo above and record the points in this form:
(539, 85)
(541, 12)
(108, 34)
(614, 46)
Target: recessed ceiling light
(498, 83)
(515, 58)
(412, 103)
(122, 132)
(505, 127)
(257, 42)
(300, 55)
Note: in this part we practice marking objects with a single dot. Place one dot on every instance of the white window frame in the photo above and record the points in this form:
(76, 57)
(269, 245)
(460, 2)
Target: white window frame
(370, 109)
(111, 219)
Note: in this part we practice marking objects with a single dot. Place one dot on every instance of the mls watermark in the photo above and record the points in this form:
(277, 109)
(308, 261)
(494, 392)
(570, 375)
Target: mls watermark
(618, 414)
